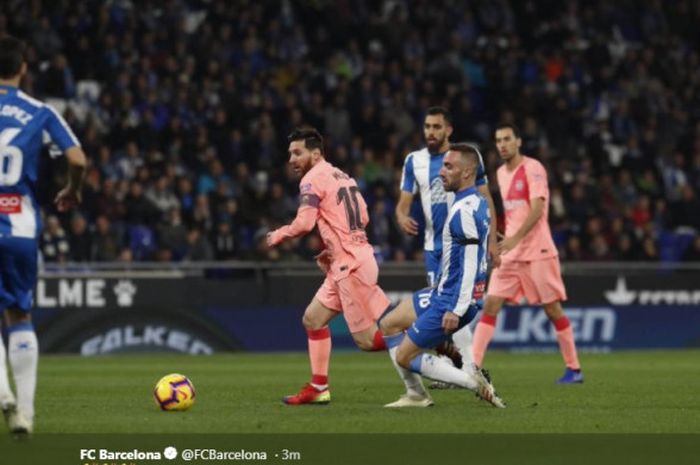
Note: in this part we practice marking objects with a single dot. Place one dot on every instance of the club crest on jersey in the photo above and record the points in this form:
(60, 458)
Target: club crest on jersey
(437, 191)
(519, 185)
(10, 204)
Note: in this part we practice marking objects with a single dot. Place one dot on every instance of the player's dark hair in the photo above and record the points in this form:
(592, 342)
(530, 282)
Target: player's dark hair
(468, 151)
(511, 126)
(11, 56)
(433, 111)
(311, 137)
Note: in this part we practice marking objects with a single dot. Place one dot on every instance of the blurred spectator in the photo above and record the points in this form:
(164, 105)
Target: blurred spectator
(281, 208)
(80, 239)
(224, 242)
(162, 197)
(172, 234)
(198, 247)
(54, 242)
(692, 254)
(139, 209)
(106, 244)
(626, 249)
(58, 79)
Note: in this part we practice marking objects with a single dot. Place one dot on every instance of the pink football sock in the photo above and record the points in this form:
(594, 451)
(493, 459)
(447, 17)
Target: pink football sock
(483, 334)
(567, 346)
(319, 355)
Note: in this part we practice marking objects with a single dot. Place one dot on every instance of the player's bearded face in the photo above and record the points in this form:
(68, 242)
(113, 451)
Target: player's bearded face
(436, 132)
(300, 158)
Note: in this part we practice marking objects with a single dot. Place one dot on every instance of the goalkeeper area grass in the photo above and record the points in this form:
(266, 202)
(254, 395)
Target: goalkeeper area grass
(624, 392)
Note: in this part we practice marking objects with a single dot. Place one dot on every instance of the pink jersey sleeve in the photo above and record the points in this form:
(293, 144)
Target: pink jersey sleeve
(307, 214)
(311, 185)
(537, 180)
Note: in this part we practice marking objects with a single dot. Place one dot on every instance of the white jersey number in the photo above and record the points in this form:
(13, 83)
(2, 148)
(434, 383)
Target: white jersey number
(10, 158)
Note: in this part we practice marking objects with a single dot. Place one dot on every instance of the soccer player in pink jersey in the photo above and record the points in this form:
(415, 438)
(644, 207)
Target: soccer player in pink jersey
(529, 259)
(331, 199)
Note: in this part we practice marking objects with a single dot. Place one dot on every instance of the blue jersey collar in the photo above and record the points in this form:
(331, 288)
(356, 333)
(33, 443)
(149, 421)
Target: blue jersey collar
(8, 88)
(465, 192)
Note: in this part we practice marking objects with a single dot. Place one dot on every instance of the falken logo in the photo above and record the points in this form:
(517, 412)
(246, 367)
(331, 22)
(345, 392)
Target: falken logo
(623, 296)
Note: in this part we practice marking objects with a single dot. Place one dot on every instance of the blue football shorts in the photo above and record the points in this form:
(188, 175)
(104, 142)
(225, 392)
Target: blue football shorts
(427, 332)
(18, 272)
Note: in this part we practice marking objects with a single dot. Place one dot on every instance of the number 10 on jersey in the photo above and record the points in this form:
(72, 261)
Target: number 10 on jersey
(348, 197)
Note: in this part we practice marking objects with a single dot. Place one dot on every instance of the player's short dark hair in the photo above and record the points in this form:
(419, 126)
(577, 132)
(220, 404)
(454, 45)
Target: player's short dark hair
(11, 56)
(311, 137)
(433, 111)
(468, 151)
(511, 126)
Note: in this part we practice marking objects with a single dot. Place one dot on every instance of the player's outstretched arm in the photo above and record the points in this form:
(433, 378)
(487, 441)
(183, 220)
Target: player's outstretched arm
(302, 224)
(406, 223)
(71, 195)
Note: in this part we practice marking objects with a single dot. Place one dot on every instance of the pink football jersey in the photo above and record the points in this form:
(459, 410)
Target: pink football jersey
(342, 215)
(332, 200)
(527, 182)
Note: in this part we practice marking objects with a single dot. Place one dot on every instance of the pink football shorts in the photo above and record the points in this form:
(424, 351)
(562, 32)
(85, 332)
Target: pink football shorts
(538, 281)
(356, 295)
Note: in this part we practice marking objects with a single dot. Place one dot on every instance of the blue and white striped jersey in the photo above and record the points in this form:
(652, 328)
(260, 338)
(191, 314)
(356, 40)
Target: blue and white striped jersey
(421, 174)
(25, 125)
(462, 281)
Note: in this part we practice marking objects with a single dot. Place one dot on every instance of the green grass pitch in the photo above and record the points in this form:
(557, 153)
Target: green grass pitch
(631, 392)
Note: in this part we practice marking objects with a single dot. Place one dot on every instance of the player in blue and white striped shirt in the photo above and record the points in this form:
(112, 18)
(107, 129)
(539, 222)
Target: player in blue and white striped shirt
(421, 175)
(25, 125)
(433, 314)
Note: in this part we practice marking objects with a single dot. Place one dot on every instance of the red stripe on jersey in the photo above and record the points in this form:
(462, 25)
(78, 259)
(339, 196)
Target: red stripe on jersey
(519, 188)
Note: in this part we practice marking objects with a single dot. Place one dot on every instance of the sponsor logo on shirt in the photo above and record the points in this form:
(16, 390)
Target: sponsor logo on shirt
(513, 204)
(10, 204)
(479, 289)
(437, 192)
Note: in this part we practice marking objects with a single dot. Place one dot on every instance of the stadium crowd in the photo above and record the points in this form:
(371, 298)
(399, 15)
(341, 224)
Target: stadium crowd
(184, 107)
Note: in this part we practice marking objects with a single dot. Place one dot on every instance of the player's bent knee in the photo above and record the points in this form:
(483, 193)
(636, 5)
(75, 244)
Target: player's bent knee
(492, 306)
(491, 311)
(553, 310)
(364, 340)
(310, 322)
(400, 319)
(389, 328)
(363, 343)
